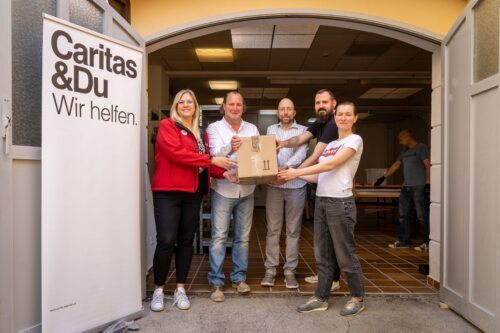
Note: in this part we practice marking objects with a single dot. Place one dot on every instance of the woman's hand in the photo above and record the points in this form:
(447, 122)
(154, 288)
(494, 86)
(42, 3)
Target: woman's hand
(223, 162)
(288, 174)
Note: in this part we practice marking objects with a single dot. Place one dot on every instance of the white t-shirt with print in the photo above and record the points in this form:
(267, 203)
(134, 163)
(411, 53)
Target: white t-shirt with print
(337, 183)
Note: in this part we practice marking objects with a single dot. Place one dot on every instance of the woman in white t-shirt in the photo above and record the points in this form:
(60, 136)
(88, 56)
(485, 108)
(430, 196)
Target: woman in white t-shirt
(335, 213)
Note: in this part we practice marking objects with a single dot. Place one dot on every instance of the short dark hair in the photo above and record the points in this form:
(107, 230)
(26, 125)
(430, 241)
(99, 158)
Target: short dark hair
(348, 103)
(324, 90)
(232, 92)
(407, 131)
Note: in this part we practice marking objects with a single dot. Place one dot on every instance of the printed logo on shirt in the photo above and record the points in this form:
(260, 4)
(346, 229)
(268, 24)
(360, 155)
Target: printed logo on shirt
(184, 132)
(331, 151)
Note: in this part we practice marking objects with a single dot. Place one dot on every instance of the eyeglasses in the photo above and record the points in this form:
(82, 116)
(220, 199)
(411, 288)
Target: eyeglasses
(187, 102)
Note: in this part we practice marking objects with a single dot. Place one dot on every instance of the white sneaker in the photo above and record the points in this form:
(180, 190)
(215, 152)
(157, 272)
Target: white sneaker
(157, 300)
(335, 286)
(311, 279)
(181, 299)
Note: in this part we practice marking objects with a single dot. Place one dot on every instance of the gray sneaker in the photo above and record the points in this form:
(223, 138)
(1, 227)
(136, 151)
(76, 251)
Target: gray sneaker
(291, 282)
(241, 287)
(217, 294)
(313, 304)
(352, 307)
(267, 281)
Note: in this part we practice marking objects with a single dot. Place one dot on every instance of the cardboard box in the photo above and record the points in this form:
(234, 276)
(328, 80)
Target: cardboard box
(257, 163)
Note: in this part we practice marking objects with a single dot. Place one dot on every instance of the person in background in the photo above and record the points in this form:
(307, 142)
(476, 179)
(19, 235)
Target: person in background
(183, 168)
(325, 131)
(335, 213)
(230, 198)
(288, 195)
(416, 174)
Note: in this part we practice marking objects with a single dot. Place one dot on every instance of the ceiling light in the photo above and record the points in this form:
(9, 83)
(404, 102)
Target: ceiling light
(268, 112)
(215, 55)
(223, 85)
(219, 100)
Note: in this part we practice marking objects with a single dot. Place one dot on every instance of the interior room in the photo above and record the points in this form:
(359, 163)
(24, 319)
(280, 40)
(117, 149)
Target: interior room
(388, 80)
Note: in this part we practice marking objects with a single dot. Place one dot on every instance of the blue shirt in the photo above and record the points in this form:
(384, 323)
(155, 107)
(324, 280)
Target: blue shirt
(292, 157)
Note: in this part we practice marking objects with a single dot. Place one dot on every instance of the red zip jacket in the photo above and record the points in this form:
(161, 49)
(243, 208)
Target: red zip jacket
(177, 160)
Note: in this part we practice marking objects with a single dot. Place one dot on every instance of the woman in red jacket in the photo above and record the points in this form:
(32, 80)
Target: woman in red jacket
(183, 167)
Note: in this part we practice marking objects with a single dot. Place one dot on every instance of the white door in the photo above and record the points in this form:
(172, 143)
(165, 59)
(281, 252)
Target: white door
(20, 192)
(470, 281)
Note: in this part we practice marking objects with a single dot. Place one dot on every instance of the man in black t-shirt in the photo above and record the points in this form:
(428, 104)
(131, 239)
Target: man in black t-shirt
(325, 130)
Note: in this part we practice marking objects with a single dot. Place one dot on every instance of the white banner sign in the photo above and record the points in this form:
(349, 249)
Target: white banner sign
(91, 112)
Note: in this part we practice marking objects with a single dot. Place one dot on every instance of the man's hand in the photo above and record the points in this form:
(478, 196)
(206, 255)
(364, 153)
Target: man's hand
(379, 181)
(280, 144)
(231, 177)
(235, 143)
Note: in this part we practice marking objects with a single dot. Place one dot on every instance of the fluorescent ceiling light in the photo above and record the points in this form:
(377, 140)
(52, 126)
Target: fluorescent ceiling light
(292, 41)
(223, 85)
(215, 55)
(252, 41)
(296, 29)
(311, 120)
(389, 93)
(219, 100)
(268, 112)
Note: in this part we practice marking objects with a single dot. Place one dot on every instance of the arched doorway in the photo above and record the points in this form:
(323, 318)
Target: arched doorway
(409, 35)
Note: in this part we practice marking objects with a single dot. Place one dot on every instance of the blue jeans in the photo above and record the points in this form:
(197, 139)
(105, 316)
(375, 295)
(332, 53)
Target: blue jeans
(417, 195)
(334, 243)
(242, 210)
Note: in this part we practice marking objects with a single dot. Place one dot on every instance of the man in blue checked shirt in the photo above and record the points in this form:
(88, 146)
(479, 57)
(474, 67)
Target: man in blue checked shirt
(290, 195)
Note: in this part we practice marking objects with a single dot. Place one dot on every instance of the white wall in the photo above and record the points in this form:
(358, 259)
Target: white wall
(436, 163)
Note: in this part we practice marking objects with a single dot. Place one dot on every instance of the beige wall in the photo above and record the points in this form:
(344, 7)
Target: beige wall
(436, 16)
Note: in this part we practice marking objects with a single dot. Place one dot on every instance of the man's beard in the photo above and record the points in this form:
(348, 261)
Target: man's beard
(322, 115)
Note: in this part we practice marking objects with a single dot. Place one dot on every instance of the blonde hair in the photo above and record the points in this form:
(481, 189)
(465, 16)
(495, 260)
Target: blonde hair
(175, 116)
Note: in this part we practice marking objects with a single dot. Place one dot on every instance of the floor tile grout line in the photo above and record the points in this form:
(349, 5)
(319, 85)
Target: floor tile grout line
(197, 271)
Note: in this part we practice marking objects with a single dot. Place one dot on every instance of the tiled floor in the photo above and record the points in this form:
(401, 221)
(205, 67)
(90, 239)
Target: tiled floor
(387, 271)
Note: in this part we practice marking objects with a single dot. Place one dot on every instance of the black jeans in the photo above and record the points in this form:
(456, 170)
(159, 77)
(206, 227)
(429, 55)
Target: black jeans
(334, 220)
(176, 216)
